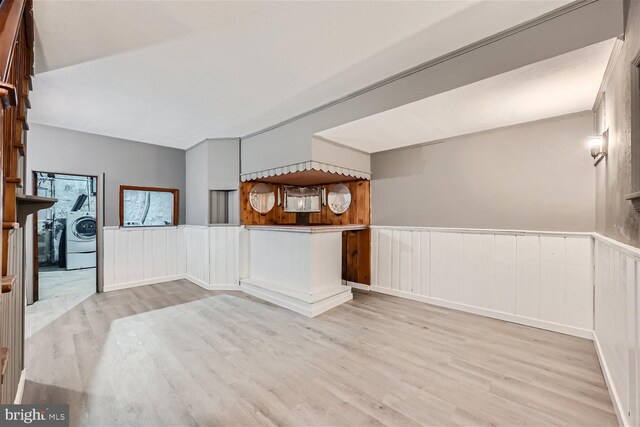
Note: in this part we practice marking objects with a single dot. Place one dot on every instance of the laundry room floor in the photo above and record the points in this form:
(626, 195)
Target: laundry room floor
(65, 283)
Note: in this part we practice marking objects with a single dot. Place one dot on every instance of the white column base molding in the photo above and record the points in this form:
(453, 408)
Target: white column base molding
(527, 321)
(356, 285)
(306, 308)
(212, 287)
(20, 391)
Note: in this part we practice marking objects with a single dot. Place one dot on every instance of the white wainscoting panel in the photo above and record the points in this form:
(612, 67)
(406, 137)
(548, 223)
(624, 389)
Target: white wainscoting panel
(504, 279)
(197, 250)
(142, 256)
(617, 324)
(207, 256)
(538, 279)
(224, 256)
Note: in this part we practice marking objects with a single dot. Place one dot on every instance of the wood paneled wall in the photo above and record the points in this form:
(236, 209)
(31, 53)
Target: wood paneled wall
(358, 213)
(356, 256)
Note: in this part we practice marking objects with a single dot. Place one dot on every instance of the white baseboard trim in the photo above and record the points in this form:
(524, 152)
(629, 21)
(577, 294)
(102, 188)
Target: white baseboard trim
(331, 302)
(305, 308)
(127, 285)
(356, 285)
(623, 419)
(527, 321)
(212, 287)
(20, 391)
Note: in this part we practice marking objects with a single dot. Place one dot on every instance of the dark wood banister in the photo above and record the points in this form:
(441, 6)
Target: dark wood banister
(11, 13)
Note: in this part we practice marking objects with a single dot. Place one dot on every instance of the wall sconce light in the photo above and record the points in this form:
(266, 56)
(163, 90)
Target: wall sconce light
(595, 144)
(599, 145)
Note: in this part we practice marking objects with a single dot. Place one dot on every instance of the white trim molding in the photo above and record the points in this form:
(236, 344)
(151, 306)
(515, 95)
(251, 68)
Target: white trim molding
(508, 317)
(356, 285)
(486, 231)
(210, 287)
(127, 285)
(309, 309)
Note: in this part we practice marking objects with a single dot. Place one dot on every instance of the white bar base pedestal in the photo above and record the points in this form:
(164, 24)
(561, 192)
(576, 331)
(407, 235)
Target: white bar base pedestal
(298, 268)
(309, 309)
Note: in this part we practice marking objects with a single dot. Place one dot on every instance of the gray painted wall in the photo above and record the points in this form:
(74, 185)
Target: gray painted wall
(224, 164)
(214, 164)
(197, 183)
(537, 176)
(335, 154)
(123, 162)
(291, 142)
(616, 217)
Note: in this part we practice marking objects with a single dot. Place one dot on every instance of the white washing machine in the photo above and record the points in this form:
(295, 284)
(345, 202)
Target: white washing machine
(81, 240)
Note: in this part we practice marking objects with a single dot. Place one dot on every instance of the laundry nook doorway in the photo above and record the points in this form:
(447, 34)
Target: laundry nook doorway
(66, 237)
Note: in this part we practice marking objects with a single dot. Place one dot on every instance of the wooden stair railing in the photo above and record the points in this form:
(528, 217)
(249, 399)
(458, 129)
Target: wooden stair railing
(8, 283)
(16, 68)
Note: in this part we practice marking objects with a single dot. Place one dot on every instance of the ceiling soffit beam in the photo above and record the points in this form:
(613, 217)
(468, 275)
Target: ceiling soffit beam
(571, 27)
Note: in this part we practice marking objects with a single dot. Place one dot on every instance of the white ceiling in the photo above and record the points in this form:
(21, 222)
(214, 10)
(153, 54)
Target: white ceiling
(565, 84)
(176, 72)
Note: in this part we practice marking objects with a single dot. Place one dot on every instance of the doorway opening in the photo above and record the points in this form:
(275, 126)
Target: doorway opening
(65, 237)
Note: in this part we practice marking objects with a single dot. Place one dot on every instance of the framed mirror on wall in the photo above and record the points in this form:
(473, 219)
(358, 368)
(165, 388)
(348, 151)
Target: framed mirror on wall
(148, 206)
(262, 198)
(339, 199)
(302, 199)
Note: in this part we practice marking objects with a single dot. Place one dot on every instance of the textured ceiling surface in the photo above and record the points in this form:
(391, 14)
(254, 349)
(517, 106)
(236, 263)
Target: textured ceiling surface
(565, 84)
(175, 72)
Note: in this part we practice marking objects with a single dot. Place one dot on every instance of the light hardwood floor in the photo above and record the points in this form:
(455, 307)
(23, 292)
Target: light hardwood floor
(175, 354)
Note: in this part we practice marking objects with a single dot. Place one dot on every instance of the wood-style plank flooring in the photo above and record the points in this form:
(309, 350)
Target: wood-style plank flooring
(176, 354)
